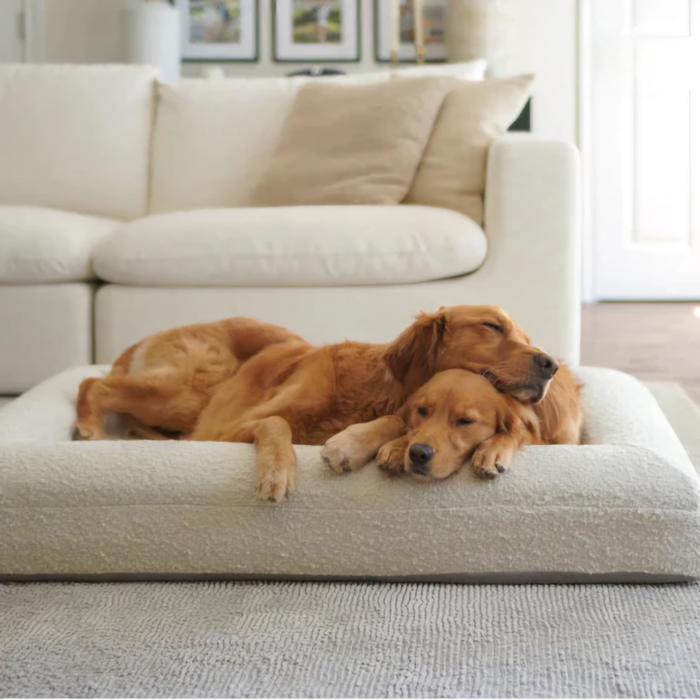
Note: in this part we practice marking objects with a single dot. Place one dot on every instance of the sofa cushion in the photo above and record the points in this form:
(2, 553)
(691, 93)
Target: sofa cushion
(625, 506)
(39, 245)
(237, 123)
(452, 173)
(367, 154)
(295, 246)
(76, 137)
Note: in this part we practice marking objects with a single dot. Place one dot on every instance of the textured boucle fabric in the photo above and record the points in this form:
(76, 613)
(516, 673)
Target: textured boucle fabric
(625, 504)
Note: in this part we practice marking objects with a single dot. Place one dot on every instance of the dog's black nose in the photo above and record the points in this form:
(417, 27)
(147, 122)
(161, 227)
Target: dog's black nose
(547, 365)
(420, 455)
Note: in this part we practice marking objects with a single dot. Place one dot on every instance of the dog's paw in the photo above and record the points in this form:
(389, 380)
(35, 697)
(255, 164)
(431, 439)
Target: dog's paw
(83, 432)
(274, 482)
(391, 457)
(488, 461)
(343, 453)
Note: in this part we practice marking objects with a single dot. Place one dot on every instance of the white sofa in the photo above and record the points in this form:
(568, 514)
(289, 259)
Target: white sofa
(123, 211)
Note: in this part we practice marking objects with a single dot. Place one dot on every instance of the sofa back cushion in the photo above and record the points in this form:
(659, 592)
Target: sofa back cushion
(452, 172)
(367, 153)
(214, 138)
(76, 138)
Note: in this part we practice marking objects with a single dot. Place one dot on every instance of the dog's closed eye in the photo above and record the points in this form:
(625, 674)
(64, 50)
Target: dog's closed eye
(422, 411)
(494, 327)
(465, 421)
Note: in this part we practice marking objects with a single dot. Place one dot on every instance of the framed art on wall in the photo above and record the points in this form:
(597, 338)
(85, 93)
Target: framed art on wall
(219, 30)
(434, 18)
(316, 30)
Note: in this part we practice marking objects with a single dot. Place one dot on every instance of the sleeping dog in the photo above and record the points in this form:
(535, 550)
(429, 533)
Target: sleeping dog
(241, 380)
(456, 416)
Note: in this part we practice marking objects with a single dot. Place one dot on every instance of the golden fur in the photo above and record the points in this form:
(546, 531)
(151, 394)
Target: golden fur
(456, 416)
(244, 381)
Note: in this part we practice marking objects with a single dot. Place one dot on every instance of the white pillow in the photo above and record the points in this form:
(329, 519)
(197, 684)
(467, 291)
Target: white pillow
(213, 140)
(76, 137)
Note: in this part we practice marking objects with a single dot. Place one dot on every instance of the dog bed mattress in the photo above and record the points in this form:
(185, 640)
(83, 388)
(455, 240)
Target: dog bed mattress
(624, 506)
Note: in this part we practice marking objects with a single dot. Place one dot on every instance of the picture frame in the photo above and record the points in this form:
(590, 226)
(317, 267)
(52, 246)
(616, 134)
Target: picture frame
(219, 30)
(316, 31)
(434, 20)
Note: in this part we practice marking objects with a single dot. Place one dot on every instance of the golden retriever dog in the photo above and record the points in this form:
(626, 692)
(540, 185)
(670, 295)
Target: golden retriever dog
(244, 381)
(456, 416)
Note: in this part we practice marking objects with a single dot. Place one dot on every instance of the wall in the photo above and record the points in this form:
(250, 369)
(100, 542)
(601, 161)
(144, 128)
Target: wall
(11, 45)
(545, 43)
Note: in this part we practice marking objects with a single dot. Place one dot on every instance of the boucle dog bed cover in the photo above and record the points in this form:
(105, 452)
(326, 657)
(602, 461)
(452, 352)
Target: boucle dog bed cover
(624, 506)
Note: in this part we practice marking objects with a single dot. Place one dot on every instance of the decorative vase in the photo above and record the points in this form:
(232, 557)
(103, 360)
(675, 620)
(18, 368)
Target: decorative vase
(153, 37)
(480, 29)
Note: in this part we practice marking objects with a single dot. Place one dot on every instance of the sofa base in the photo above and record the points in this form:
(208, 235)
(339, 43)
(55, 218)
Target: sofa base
(44, 329)
(373, 314)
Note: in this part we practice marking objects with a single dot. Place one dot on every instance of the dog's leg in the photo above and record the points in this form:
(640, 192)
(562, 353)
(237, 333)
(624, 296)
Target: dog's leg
(275, 461)
(359, 444)
(89, 425)
(166, 404)
(391, 458)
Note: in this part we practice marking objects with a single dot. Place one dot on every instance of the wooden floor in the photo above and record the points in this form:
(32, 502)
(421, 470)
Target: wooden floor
(651, 341)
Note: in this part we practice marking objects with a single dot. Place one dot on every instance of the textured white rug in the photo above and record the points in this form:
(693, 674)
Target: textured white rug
(356, 640)
(349, 640)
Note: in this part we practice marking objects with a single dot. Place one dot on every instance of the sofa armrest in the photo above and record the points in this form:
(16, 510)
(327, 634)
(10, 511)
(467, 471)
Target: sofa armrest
(532, 219)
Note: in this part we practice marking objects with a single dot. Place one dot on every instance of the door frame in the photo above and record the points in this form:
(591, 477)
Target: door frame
(583, 135)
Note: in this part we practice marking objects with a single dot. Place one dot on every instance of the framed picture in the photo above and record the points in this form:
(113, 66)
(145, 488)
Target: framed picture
(434, 18)
(314, 31)
(219, 30)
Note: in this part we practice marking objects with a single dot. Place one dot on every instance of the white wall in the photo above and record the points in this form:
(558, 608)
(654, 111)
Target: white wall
(11, 45)
(545, 43)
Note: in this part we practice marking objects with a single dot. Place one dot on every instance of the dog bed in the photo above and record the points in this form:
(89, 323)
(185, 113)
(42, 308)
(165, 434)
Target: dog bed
(625, 506)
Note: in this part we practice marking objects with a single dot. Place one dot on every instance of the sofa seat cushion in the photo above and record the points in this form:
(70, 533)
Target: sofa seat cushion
(39, 245)
(292, 246)
(625, 506)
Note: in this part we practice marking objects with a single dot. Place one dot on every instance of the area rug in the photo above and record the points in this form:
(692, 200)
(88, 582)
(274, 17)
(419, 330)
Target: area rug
(355, 639)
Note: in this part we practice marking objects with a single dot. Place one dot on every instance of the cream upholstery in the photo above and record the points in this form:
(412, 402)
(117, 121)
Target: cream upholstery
(292, 246)
(625, 505)
(44, 328)
(39, 245)
(76, 137)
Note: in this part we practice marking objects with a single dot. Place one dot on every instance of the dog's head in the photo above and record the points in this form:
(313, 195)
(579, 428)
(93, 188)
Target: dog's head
(448, 418)
(481, 339)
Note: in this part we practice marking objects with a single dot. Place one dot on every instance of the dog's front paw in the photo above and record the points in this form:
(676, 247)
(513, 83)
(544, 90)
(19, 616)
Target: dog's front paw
(352, 449)
(391, 457)
(345, 452)
(488, 461)
(275, 481)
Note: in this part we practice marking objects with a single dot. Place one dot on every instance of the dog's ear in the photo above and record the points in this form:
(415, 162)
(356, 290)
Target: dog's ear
(520, 422)
(411, 357)
(506, 419)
